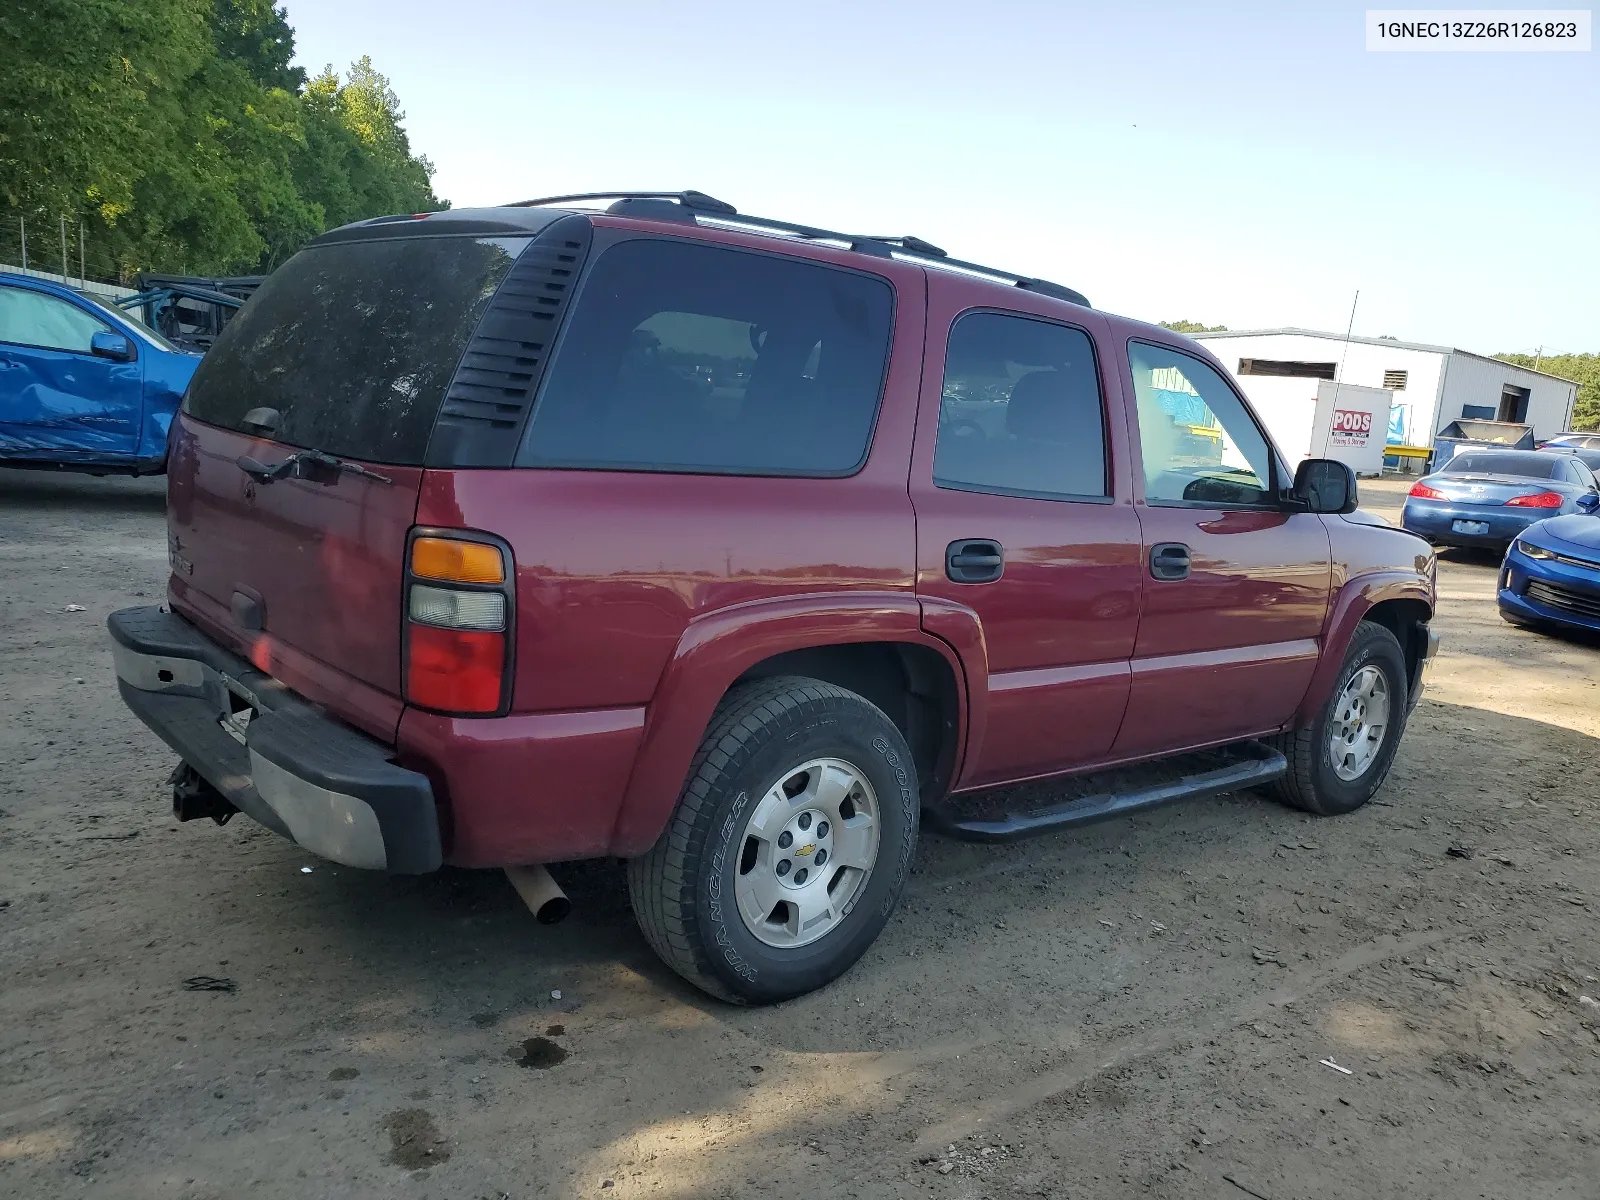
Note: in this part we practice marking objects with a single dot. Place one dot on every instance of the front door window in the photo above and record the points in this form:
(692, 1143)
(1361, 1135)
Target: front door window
(29, 318)
(1200, 446)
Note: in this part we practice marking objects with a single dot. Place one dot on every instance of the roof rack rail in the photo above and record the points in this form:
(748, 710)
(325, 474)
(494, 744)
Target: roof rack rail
(690, 199)
(690, 205)
(913, 245)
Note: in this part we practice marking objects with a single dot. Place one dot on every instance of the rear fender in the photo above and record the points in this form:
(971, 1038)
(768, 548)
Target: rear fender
(1350, 606)
(721, 646)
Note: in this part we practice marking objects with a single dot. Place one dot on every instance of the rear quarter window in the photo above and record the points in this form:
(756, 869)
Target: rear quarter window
(693, 358)
(354, 343)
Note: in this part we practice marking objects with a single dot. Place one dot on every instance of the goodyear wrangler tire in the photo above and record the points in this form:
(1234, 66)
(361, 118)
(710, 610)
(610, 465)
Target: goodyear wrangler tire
(790, 845)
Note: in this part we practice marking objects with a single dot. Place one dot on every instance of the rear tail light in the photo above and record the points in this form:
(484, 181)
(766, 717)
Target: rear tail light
(1537, 500)
(1421, 491)
(458, 625)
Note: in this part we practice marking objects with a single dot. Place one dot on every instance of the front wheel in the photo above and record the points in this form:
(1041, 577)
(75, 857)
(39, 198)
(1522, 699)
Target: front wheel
(789, 847)
(1343, 757)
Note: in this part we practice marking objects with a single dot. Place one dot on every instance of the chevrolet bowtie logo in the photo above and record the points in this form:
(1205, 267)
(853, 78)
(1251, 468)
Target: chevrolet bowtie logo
(805, 850)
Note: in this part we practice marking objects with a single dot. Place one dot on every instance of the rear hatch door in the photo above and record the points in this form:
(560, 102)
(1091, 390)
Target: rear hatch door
(346, 350)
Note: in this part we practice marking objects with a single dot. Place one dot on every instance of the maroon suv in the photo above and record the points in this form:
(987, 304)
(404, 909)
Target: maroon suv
(737, 549)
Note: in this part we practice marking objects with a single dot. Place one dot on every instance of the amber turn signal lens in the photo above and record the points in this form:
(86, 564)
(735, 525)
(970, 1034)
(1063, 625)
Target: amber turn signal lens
(458, 562)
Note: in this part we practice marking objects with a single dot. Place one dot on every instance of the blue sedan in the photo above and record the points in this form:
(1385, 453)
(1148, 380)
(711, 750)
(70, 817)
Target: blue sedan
(1551, 574)
(83, 386)
(1487, 497)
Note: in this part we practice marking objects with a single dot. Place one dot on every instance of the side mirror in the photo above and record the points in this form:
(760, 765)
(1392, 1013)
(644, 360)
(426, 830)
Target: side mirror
(1325, 485)
(1589, 502)
(114, 346)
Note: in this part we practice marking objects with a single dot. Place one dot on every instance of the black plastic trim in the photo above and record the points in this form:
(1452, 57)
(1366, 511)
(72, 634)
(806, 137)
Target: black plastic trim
(1255, 765)
(950, 485)
(490, 398)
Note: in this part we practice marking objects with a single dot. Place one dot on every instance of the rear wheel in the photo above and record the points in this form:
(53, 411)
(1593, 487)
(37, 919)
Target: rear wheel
(789, 847)
(1343, 757)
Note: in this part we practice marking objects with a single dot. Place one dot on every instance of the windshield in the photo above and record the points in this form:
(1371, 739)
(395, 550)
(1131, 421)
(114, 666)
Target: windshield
(354, 343)
(1527, 464)
(138, 327)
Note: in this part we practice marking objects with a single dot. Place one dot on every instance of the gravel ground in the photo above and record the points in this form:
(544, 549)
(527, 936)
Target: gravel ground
(1143, 1007)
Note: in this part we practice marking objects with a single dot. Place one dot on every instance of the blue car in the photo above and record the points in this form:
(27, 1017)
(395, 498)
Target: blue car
(83, 387)
(1486, 498)
(1551, 575)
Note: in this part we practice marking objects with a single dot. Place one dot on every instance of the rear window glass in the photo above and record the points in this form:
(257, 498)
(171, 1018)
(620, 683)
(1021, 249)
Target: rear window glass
(1503, 462)
(685, 357)
(354, 343)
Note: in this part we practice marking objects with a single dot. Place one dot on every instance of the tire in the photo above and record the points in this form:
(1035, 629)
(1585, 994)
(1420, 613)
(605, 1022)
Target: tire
(719, 855)
(1314, 782)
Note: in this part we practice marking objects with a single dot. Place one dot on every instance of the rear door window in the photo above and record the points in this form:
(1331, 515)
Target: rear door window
(687, 357)
(354, 343)
(1020, 413)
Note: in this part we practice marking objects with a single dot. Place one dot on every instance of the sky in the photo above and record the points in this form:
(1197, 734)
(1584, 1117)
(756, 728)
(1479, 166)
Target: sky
(1243, 164)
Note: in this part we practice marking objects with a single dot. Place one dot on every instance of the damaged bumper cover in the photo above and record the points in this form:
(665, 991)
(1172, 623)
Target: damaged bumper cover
(270, 753)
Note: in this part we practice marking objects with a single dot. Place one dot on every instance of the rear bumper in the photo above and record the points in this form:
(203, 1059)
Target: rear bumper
(294, 769)
(1435, 520)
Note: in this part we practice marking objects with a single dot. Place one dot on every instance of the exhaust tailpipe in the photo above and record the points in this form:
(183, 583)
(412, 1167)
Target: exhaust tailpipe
(541, 893)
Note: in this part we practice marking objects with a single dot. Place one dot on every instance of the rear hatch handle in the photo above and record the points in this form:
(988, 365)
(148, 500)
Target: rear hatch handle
(315, 465)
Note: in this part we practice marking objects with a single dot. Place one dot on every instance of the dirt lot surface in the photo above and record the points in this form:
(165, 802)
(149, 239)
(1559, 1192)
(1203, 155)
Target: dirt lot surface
(1140, 1008)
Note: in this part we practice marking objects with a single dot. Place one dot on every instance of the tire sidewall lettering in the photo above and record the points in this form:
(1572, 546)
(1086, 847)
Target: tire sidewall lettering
(714, 907)
(909, 807)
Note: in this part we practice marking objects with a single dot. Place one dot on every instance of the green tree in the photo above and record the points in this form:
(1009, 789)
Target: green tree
(1584, 369)
(89, 92)
(1192, 327)
(182, 137)
(256, 34)
(357, 160)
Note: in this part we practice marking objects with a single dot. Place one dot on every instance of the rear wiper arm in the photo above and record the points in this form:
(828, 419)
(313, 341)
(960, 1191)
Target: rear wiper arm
(316, 465)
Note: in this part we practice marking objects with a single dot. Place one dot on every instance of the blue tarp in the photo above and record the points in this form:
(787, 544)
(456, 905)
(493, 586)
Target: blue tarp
(1185, 408)
(1397, 425)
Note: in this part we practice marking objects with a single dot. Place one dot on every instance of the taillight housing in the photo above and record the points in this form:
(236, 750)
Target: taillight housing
(1421, 491)
(1537, 500)
(460, 609)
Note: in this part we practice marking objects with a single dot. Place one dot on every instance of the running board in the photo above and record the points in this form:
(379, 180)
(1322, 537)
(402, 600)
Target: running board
(1248, 764)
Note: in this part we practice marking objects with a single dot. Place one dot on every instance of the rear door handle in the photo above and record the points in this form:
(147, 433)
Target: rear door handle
(974, 561)
(1169, 560)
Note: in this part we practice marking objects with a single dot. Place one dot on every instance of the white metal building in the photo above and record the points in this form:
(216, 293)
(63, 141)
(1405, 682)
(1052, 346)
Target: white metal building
(1432, 385)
